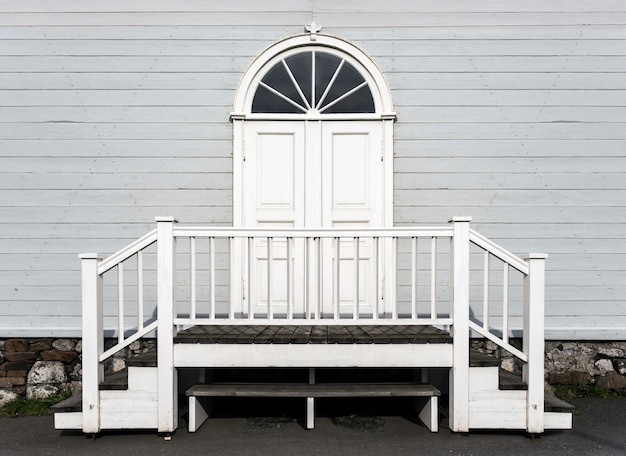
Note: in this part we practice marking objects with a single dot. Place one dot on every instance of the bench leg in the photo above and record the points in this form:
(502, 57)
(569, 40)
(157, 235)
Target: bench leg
(310, 412)
(427, 409)
(310, 403)
(199, 411)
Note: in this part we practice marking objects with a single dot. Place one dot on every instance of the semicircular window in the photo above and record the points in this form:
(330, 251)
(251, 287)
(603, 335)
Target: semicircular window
(313, 81)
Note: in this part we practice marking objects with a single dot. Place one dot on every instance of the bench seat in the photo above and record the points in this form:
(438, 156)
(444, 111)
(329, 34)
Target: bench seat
(199, 407)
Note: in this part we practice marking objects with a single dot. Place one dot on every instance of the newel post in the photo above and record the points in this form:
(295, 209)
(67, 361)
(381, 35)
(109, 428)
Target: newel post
(93, 341)
(167, 391)
(459, 374)
(534, 342)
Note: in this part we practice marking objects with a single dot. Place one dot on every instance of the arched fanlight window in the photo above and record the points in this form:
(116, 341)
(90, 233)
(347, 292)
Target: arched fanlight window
(313, 81)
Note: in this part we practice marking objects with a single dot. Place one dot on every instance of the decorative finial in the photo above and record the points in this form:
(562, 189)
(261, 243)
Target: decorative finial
(313, 29)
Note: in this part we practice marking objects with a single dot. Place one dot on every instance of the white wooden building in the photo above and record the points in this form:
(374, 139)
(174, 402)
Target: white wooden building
(358, 128)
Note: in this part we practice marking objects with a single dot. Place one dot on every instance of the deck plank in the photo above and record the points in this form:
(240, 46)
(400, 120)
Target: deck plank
(313, 334)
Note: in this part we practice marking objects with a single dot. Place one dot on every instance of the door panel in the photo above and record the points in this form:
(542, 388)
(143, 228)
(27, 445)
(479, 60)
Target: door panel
(352, 174)
(313, 174)
(273, 181)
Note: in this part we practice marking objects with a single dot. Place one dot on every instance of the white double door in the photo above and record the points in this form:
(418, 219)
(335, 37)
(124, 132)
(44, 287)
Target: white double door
(312, 174)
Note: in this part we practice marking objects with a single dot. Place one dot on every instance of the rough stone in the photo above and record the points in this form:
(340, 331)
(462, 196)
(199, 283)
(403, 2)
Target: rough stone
(603, 366)
(76, 372)
(568, 357)
(117, 364)
(612, 381)
(20, 356)
(15, 346)
(64, 345)
(57, 355)
(40, 345)
(42, 391)
(611, 352)
(570, 378)
(10, 382)
(20, 390)
(6, 396)
(17, 366)
(79, 346)
(47, 372)
(620, 366)
(508, 364)
(76, 388)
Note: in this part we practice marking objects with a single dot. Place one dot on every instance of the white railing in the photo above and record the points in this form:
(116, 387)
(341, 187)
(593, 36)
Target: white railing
(224, 275)
(294, 276)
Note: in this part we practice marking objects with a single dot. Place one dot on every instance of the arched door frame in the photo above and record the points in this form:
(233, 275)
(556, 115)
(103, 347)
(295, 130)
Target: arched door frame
(249, 82)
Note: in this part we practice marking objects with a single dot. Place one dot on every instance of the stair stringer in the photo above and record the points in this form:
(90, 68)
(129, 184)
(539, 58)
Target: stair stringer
(490, 407)
(493, 408)
(132, 408)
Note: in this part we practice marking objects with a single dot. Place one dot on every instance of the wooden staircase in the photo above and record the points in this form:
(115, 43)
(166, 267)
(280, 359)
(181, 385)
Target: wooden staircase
(416, 316)
(128, 399)
(498, 399)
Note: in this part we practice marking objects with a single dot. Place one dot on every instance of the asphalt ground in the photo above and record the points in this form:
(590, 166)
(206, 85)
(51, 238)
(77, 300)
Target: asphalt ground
(236, 429)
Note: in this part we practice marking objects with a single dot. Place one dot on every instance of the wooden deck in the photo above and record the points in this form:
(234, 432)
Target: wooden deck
(314, 334)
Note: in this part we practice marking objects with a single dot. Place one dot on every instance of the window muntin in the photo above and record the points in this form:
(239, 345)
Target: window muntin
(313, 82)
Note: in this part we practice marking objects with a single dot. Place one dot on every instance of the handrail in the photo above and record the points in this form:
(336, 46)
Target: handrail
(129, 340)
(230, 232)
(312, 322)
(128, 251)
(499, 252)
(495, 339)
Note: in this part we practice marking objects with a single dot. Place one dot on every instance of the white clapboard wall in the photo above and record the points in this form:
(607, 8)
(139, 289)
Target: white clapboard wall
(112, 113)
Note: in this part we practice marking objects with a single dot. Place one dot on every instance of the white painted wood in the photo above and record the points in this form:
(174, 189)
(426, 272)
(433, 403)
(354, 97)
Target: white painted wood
(554, 420)
(68, 420)
(167, 375)
(469, 65)
(428, 411)
(310, 403)
(483, 379)
(93, 342)
(199, 411)
(459, 388)
(303, 355)
(142, 379)
(534, 345)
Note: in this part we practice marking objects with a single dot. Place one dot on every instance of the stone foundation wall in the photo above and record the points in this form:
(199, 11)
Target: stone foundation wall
(38, 368)
(601, 364)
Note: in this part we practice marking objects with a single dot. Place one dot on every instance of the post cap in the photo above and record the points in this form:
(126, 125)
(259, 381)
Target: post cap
(89, 256)
(536, 256)
(166, 219)
(460, 219)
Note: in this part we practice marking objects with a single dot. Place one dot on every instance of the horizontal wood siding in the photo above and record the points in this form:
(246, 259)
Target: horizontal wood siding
(112, 113)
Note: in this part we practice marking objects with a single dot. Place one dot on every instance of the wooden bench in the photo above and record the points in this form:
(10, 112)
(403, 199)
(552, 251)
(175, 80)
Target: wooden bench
(199, 397)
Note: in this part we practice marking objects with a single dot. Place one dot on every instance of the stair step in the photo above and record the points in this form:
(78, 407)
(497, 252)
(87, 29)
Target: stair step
(72, 404)
(509, 381)
(554, 404)
(117, 381)
(148, 359)
(478, 359)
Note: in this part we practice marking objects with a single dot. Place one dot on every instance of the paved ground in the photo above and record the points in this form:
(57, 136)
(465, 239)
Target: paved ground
(599, 429)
